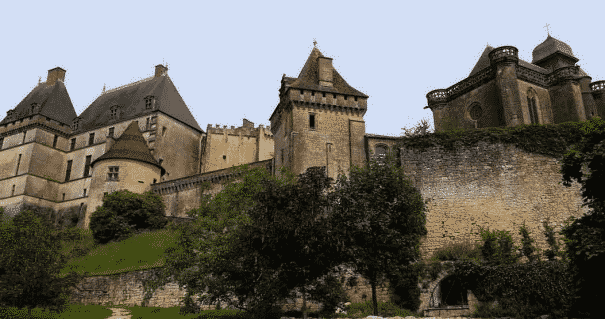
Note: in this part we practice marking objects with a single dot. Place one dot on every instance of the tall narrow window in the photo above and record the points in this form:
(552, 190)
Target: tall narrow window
(163, 130)
(533, 105)
(1, 142)
(13, 192)
(84, 193)
(87, 166)
(63, 196)
(24, 133)
(68, 171)
(113, 173)
(111, 131)
(91, 138)
(282, 156)
(73, 144)
(147, 125)
(312, 121)
(532, 112)
(55, 141)
(18, 163)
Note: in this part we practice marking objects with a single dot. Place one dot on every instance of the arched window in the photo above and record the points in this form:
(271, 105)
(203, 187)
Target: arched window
(381, 151)
(531, 105)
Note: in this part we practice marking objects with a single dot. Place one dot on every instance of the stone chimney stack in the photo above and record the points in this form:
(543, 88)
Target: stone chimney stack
(54, 75)
(325, 71)
(160, 70)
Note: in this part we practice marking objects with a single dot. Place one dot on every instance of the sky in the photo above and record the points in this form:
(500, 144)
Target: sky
(227, 58)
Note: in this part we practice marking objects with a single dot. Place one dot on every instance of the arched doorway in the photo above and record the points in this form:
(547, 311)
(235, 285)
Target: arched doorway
(453, 293)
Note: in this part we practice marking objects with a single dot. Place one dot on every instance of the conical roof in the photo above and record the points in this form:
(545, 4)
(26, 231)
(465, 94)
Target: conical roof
(130, 145)
(549, 47)
(483, 61)
(309, 78)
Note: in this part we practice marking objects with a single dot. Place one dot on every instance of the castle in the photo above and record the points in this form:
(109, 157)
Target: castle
(142, 137)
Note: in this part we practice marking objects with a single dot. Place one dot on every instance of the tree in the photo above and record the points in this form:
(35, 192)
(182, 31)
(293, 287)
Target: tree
(124, 213)
(381, 219)
(585, 236)
(213, 252)
(292, 225)
(421, 128)
(30, 262)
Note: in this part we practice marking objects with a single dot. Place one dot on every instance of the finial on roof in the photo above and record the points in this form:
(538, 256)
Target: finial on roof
(547, 31)
(314, 43)
(39, 79)
(103, 87)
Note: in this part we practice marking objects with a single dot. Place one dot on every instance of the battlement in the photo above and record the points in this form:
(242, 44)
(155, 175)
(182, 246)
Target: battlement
(247, 129)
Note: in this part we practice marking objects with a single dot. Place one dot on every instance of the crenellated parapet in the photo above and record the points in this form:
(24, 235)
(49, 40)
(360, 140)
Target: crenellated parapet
(244, 130)
(35, 121)
(506, 54)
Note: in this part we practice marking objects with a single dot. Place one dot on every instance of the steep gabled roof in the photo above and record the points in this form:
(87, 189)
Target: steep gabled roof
(130, 145)
(309, 78)
(54, 102)
(131, 99)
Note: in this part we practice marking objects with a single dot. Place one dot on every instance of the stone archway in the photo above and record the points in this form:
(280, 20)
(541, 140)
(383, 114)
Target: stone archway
(452, 292)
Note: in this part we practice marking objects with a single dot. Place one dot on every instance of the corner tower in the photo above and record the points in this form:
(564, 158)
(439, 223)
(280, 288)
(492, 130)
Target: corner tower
(319, 120)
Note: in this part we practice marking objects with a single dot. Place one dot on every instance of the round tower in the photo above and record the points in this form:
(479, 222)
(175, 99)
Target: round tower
(505, 60)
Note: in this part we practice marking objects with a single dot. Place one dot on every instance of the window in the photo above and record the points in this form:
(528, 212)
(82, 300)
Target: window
(24, 133)
(163, 130)
(87, 166)
(113, 173)
(18, 163)
(282, 155)
(224, 156)
(149, 102)
(475, 111)
(533, 112)
(91, 138)
(13, 192)
(380, 152)
(312, 93)
(84, 192)
(355, 99)
(161, 160)
(302, 92)
(147, 125)
(334, 95)
(323, 94)
(104, 194)
(111, 131)
(113, 112)
(55, 141)
(154, 180)
(312, 121)
(75, 124)
(1, 142)
(73, 144)
(68, 171)
(345, 97)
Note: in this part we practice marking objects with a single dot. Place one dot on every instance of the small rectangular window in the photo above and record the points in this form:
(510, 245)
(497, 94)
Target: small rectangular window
(302, 92)
(113, 173)
(63, 196)
(55, 141)
(111, 131)
(345, 97)
(323, 94)
(91, 138)
(355, 99)
(312, 121)
(1, 142)
(13, 192)
(73, 144)
(312, 93)
(87, 166)
(68, 170)
(84, 192)
(334, 95)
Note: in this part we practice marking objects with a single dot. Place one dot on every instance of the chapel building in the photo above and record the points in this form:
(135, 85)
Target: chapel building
(503, 90)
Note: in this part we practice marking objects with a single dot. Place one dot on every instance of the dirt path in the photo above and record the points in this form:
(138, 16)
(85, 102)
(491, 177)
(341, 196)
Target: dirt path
(119, 313)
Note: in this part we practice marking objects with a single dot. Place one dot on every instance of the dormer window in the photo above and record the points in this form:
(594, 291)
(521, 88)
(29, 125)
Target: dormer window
(149, 103)
(355, 99)
(34, 108)
(75, 124)
(113, 112)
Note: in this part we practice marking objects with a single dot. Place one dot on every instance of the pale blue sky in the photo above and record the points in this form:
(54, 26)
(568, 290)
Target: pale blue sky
(227, 57)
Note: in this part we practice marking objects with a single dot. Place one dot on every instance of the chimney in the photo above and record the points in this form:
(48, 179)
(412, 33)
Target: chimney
(54, 75)
(248, 124)
(160, 70)
(325, 71)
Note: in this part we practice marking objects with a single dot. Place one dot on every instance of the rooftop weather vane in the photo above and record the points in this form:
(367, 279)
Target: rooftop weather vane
(547, 29)
(103, 87)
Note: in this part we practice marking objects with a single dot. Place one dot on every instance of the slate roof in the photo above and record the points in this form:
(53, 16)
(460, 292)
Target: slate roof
(54, 102)
(130, 145)
(550, 46)
(131, 99)
(483, 62)
(309, 78)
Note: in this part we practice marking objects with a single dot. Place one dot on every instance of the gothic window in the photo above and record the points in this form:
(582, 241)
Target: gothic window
(475, 111)
(113, 173)
(532, 106)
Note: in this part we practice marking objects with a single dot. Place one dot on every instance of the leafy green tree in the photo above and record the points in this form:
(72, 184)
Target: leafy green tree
(528, 249)
(30, 262)
(421, 128)
(381, 219)
(585, 236)
(293, 222)
(212, 255)
(124, 213)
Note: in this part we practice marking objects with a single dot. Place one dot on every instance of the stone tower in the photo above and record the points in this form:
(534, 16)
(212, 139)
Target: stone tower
(319, 120)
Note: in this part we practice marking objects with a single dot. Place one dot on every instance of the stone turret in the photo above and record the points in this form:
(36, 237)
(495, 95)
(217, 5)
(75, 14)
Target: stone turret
(505, 59)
